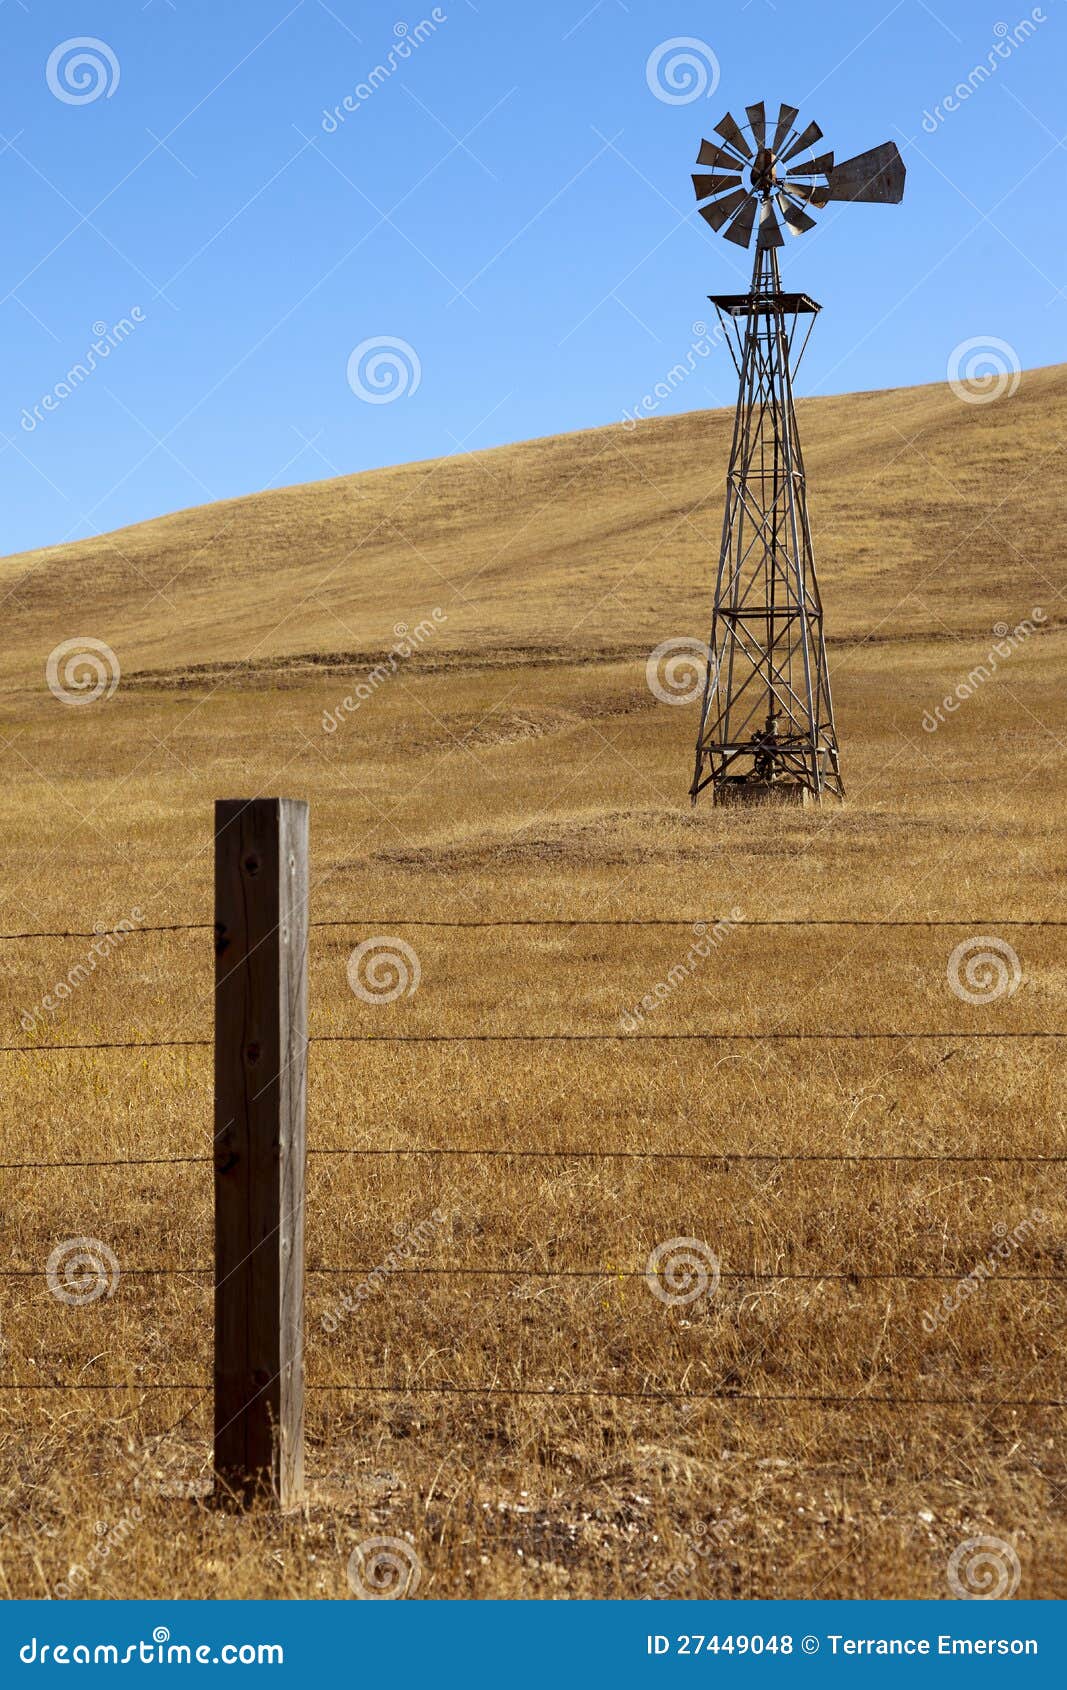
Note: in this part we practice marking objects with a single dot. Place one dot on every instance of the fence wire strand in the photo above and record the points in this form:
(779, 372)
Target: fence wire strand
(710, 1036)
(697, 1396)
(854, 1276)
(108, 1044)
(564, 1151)
(577, 1155)
(667, 1394)
(388, 921)
(492, 1152)
(694, 920)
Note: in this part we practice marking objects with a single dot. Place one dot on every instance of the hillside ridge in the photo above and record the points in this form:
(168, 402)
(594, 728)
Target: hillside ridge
(604, 538)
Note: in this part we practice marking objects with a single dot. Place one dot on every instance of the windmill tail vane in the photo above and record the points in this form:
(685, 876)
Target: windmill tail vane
(767, 730)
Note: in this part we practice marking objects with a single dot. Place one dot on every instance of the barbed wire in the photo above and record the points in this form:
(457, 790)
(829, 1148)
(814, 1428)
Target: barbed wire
(114, 932)
(506, 1271)
(102, 1162)
(108, 1044)
(490, 1152)
(707, 1035)
(829, 1399)
(125, 1273)
(106, 1385)
(696, 1396)
(388, 921)
(851, 1277)
(694, 920)
(741, 1274)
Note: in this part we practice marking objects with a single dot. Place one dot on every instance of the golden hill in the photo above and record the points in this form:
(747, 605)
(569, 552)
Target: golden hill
(930, 514)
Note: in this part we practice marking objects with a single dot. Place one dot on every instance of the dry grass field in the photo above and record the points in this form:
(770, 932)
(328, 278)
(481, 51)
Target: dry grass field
(516, 766)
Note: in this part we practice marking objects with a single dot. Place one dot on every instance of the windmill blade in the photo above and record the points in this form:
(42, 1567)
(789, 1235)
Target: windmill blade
(877, 176)
(815, 195)
(719, 210)
(740, 230)
(820, 166)
(787, 116)
(732, 136)
(718, 157)
(808, 139)
(705, 186)
(757, 117)
(796, 221)
(769, 232)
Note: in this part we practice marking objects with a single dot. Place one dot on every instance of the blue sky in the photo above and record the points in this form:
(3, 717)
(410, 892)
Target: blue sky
(511, 201)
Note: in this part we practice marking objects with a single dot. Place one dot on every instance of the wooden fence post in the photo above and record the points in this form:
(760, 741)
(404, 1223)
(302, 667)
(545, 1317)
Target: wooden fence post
(261, 942)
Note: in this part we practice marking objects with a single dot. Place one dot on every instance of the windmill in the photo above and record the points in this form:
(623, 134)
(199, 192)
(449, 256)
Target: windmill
(767, 723)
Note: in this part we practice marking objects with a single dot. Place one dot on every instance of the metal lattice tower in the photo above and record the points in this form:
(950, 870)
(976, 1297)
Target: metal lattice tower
(767, 723)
